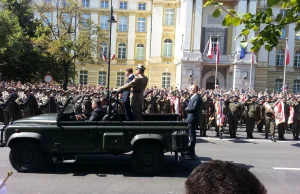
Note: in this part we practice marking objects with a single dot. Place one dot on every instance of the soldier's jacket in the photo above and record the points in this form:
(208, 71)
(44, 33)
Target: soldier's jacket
(138, 84)
(164, 105)
(150, 105)
(252, 109)
(270, 113)
(297, 111)
(205, 106)
(233, 109)
(286, 111)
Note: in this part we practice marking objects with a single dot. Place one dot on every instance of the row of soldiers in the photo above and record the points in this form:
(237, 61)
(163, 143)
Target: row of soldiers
(220, 110)
(217, 109)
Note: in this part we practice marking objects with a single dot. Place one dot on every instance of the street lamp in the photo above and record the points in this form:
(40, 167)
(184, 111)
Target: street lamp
(111, 21)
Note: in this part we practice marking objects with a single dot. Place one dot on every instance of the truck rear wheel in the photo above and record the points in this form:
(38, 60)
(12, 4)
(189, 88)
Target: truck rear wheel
(26, 156)
(147, 159)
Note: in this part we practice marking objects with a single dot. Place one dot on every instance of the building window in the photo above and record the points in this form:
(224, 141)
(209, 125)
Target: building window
(168, 46)
(83, 77)
(140, 52)
(278, 85)
(214, 41)
(103, 49)
(166, 80)
(141, 25)
(104, 4)
(142, 6)
(86, 20)
(296, 86)
(122, 51)
(104, 22)
(280, 57)
(297, 59)
(102, 78)
(120, 79)
(283, 33)
(86, 3)
(169, 17)
(48, 18)
(123, 23)
(123, 5)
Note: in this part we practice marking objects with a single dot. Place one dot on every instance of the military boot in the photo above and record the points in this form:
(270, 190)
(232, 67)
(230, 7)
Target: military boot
(267, 136)
(273, 138)
(204, 134)
(218, 134)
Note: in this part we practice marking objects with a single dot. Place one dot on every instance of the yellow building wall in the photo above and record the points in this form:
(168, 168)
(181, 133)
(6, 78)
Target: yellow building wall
(153, 72)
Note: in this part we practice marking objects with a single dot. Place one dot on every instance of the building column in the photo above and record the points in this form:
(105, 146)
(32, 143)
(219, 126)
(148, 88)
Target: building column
(131, 36)
(188, 25)
(197, 25)
(252, 10)
(241, 8)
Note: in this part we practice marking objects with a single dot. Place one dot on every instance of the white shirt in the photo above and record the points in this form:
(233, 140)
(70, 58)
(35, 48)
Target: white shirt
(193, 96)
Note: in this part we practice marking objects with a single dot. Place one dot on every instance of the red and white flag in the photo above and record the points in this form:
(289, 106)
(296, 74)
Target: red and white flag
(210, 49)
(113, 57)
(287, 53)
(104, 56)
(217, 53)
(279, 112)
(291, 117)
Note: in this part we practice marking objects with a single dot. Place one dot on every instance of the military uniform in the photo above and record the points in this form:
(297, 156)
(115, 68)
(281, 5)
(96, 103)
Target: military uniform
(138, 85)
(151, 105)
(204, 115)
(252, 116)
(269, 120)
(164, 105)
(296, 123)
(233, 115)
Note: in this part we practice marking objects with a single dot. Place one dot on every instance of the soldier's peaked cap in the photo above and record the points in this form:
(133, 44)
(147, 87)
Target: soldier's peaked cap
(140, 67)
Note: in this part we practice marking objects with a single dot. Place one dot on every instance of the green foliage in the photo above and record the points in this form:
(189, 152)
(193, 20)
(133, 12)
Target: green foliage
(268, 37)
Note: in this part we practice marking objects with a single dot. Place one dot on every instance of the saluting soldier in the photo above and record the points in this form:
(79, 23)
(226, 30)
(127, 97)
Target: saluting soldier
(269, 118)
(29, 104)
(233, 114)
(48, 104)
(13, 110)
(164, 104)
(150, 104)
(296, 123)
(261, 122)
(252, 115)
(138, 85)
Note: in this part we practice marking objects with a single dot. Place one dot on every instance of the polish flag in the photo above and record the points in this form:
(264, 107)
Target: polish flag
(218, 53)
(113, 57)
(104, 56)
(279, 112)
(291, 117)
(287, 53)
(210, 51)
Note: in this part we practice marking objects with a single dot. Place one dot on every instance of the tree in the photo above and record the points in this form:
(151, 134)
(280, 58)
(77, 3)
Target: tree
(19, 59)
(268, 37)
(74, 38)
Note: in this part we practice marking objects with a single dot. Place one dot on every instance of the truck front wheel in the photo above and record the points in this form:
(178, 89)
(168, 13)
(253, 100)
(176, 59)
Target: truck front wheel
(147, 159)
(26, 156)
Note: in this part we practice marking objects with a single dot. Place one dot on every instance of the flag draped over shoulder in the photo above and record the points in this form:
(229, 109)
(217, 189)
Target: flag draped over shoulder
(291, 117)
(279, 112)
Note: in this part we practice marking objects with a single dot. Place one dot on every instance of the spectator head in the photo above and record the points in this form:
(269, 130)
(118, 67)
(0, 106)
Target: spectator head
(104, 101)
(96, 103)
(129, 71)
(220, 177)
(193, 89)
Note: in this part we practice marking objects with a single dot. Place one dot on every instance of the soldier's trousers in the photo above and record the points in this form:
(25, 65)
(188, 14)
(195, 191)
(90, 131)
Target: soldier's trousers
(281, 129)
(250, 124)
(296, 128)
(203, 122)
(270, 125)
(233, 124)
(6, 117)
(136, 102)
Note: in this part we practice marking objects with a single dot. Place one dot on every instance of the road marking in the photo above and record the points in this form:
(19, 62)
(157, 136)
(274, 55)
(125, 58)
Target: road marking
(247, 140)
(282, 168)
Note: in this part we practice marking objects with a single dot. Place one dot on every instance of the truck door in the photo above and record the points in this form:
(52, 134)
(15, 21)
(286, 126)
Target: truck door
(77, 135)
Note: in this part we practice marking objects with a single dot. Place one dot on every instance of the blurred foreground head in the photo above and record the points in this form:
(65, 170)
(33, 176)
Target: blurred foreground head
(220, 177)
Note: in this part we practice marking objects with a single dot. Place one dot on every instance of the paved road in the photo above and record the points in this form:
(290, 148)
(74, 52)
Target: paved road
(277, 165)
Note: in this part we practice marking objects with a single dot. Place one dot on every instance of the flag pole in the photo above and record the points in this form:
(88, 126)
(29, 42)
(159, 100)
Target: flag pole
(284, 71)
(250, 82)
(217, 55)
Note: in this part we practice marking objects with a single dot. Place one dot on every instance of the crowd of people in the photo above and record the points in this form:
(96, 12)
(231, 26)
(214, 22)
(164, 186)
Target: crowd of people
(218, 109)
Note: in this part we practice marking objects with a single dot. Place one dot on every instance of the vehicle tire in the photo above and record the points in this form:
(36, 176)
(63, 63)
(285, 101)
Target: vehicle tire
(27, 156)
(147, 159)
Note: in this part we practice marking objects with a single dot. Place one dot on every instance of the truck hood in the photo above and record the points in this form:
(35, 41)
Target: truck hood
(40, 119)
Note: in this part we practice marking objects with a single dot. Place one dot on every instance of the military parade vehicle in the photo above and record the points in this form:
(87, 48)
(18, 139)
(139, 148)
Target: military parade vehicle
(37, 141)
